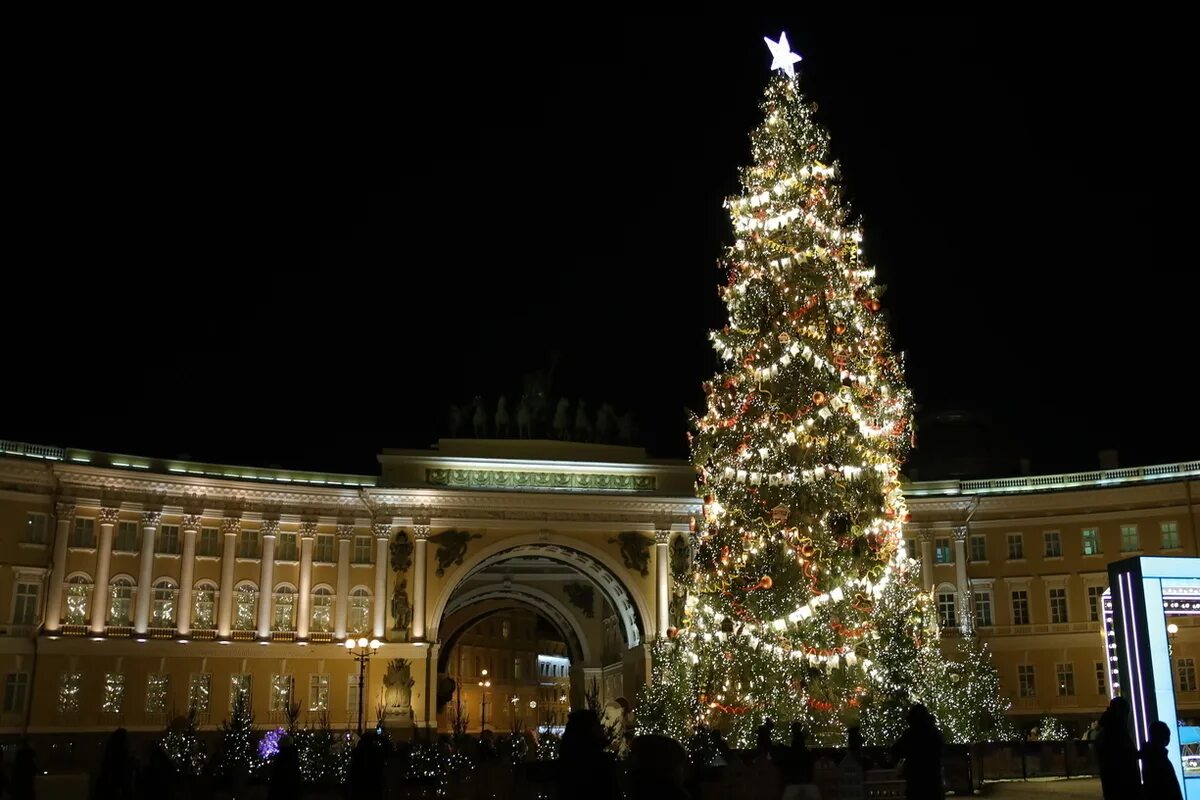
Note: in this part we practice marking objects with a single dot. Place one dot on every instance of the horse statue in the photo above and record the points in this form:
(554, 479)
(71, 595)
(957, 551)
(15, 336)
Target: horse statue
(562, 424)
(479, 421)
(525, 418)
(583, 423)
(503, 421)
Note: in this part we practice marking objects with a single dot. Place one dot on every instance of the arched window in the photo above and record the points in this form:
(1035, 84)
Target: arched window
(79, 598)
(120, 601)
(245, 606)
(204, 605)
(359, 612)
(321, 616)
(284, 608)
(163, 613)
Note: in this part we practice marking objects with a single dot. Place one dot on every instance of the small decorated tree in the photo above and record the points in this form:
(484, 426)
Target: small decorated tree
(238, 757)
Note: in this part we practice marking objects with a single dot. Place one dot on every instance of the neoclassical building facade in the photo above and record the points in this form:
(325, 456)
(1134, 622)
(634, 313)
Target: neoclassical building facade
(133, 589)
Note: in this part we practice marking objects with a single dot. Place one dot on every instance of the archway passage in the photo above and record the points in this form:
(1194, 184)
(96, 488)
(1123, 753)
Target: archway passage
(552, 627)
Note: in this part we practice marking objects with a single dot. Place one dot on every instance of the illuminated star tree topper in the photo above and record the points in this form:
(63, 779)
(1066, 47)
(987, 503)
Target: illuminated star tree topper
(782, 55)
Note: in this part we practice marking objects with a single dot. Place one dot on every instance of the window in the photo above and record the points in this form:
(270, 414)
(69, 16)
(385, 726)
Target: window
(1020, 607)
(281, 692)
(1058, 605)
(1026, 680)
(1130, 541)
(16, 689)
(1187, 674)
(318, 693)
(114, 693)
(84, 533)
(362, 549)
(943, 553)
(1065, 675)
(505, 629)
(200, 692)
(209, 544)
(517, 669)
(322, 610)
(1091, 541)
(248, 544)
(79, 599)
(283, 609)
(239, 686)
(945, 606)
(979, 548)
(69, 686)
(127, 537)
(359, 611)
(324, 550)
(168, 540)
(35, 528)
(910, 545)
(246, 605)
(352, 696)
(1094, 594)
(120, 601)
(1101, 685)
(157, 684)
(163, 613)
(204, 606)
(983, 609)
(1170, 535)
(25, 604)
(1016, 547)
(1053, 544)
(285, 550)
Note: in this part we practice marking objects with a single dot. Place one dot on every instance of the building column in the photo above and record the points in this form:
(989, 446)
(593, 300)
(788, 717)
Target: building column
(926, 560)
(662, 583)
(187, 573)
(266, 579)
(141, 612)
(308, 533)
(108, 519)
(420, 546)
(230, 528)
(966, 615)
(345, 535)
(383, 532)
(64, 516)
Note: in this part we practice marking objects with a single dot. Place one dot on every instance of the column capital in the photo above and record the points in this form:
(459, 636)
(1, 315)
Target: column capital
(345, 531)
(231, 525)
(420, 532)
(64, 510)
(191, 522)
(422, 515)
(960, 534)
(151, 519)
(308, 529)
(925, 536)
(383, 530)
(662, 537)
(269, 527)
(109, 516)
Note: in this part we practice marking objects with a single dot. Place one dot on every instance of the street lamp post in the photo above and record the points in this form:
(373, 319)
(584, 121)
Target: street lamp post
(361, 650)
(483, 687)
(1172, 629)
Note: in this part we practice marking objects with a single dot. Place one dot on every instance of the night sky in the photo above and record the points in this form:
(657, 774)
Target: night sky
(298, 249)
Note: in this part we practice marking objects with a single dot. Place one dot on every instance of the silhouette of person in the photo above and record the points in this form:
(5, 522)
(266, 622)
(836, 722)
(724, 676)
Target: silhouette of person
(797, 768)
(1116, 753)
(921, 748)
(657, 769)
(114, 778)
(585, 770)
(285, 772)
(1159, 779)
(366, 767)
(24, 769)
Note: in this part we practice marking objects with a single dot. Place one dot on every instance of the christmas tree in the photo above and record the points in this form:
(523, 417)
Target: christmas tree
(182, 745)
(803, 604)
(238, 757)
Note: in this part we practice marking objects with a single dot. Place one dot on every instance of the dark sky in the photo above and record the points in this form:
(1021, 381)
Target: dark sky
(298, 247)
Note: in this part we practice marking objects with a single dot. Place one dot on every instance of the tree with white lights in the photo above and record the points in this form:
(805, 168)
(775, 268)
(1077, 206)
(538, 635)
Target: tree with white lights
(803, 603)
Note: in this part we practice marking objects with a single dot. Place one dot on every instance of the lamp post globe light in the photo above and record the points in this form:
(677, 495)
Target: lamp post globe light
(484, 685)
(360, 650)
(1172, 629)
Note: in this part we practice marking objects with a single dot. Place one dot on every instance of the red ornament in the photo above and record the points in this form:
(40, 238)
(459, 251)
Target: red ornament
(672, 632)
(839, 329)
(819, 398)
(764, 582)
